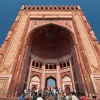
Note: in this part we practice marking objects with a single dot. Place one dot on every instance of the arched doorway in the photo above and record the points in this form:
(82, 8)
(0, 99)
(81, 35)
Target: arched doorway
(53, 44)
(35, 82)
(50, 82)
(67, 84)
(48, 43)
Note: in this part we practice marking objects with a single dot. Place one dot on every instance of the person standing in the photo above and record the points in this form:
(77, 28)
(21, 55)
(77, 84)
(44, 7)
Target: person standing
(29, 92)
(83, 96)
(22, 97)
(67, 97)
(35, 96)
(58, 97)
(25, 91)
(59, 90)
(39, 98)
(54, 91)
(74, 96)
(94, 97)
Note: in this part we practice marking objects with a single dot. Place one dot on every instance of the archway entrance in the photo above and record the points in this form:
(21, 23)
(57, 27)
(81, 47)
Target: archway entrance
(52, 55)
(50, 82)
(67, 84)
(49, 44)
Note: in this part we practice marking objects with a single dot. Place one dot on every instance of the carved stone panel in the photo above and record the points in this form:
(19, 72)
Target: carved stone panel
(86, 42)
(7, 65)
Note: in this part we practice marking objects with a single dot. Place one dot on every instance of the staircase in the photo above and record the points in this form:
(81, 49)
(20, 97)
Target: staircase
(16, 98)
(50, 98)
(13, 98)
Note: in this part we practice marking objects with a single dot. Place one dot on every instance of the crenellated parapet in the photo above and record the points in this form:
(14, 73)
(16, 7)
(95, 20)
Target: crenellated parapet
(51, 7)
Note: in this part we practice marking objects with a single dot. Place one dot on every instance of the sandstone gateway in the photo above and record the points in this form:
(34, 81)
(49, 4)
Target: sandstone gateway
(50, 42)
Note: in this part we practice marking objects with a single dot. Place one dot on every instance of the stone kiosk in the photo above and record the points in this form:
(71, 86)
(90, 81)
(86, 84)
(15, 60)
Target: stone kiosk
(46, 42)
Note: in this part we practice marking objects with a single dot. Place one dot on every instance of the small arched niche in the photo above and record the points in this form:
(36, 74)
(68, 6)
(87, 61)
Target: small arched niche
(67, 84)
(35, 82)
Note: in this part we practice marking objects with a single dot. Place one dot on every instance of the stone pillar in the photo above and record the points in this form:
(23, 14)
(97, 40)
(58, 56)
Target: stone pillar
(43, 77)
(29, 76)
(58, 76)
(72, 75)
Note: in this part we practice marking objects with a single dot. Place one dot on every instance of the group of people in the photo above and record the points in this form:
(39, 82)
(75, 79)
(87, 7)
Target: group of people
(35, 97)
(48, 91)
(56, 93)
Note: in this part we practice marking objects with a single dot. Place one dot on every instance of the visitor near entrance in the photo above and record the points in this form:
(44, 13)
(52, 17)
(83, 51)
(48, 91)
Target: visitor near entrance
(39, 98)
(83, 96)
(35, 96)
(59, 90)
(22, 97)
(58, 97)
(67, 97)
(74, 97)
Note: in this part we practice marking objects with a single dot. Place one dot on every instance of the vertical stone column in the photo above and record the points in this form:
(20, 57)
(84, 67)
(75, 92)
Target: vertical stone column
(58, 76)
(29, 76)
(43, 77)
(72, 75)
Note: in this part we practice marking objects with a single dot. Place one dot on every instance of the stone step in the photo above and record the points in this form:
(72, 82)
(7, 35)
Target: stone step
(16, 98)
(13, 98)
(47, 98)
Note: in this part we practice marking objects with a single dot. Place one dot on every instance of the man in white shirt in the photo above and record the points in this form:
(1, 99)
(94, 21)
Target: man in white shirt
(73, 96)
(39, 98)
(59, 90)
(67, 97)
(25, 91)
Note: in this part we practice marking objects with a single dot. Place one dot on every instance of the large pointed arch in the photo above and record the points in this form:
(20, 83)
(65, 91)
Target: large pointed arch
(32, 31)
(50, 41)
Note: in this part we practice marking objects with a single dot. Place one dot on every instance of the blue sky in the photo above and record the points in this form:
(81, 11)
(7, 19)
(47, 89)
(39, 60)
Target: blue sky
(10, 8)
(49, 81)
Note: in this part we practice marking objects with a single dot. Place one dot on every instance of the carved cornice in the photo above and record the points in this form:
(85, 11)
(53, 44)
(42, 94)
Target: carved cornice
(50, 7)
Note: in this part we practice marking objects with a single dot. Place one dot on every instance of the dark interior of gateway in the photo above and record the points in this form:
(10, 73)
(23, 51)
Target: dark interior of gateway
(50, 41)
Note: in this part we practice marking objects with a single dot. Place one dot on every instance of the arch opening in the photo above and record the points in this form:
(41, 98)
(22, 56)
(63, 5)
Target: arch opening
(53, 43)
(67, 84)
(35, 82)
(50, 82)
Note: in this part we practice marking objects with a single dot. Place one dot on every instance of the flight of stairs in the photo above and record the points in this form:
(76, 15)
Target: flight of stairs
(16, 98)
(50, 98)
(13, 98)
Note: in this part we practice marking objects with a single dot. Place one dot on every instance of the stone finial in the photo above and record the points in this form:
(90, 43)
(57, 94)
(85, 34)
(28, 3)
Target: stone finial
(23, 6)
(78, 6)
